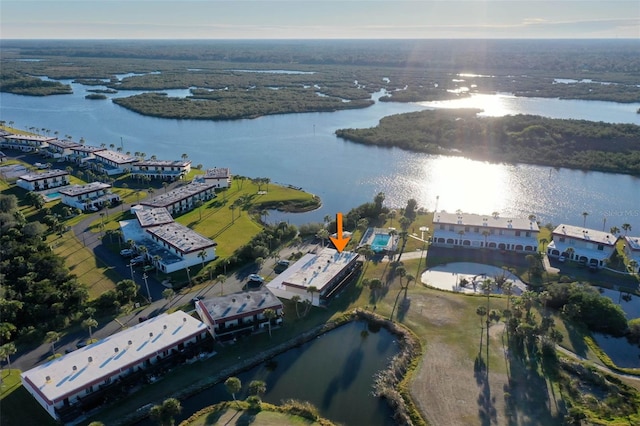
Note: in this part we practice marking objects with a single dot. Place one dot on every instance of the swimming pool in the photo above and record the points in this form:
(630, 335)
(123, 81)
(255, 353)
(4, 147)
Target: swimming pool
(52, 196)
(380, 242)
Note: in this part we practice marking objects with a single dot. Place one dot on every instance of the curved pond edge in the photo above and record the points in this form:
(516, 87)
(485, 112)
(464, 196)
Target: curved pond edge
(390, 384)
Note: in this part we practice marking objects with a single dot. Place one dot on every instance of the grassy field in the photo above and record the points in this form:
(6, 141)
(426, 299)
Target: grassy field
(17, 406)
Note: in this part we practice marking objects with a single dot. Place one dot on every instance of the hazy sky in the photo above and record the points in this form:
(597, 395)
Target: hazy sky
(304, 19)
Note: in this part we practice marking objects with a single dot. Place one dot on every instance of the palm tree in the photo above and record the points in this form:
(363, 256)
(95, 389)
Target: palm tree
(391, 215)
(203, 255)
(543, 242)
(312, 289)
(220, 279)
(269, 314)
(296, 299)
(614, 230)
(481, 311)
(257, 387)
(233, 385)
(52, 337)
(90, 323)
(164, 414)
(570, 252)
(626, 227)
(584, 221)
(374, 285)
(168, 293)
(400, 272)
(485, 234)
(232, 207)
(156, 262)
(323, 234)
(6, 351)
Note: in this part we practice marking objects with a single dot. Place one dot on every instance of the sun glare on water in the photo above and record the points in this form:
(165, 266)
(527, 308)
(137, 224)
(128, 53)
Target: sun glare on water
(471, 186)
(491, 105)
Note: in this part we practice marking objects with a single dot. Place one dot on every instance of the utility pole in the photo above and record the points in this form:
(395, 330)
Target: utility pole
(144, 277)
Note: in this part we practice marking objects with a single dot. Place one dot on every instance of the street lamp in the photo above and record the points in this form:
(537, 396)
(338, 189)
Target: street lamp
(130, 265)
(144, 277)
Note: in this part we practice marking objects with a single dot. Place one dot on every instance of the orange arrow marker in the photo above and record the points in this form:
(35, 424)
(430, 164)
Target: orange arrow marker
(339, 241)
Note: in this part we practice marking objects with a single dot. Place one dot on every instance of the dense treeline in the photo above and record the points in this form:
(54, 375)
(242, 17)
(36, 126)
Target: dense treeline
(411, 70)
(223, 105)
(464, 55)
(38, 293)
(20, 84)
(584, 303)
(529, 139)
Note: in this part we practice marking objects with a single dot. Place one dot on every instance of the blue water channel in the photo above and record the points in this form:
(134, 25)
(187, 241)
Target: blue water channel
(334, 372)
(302, 150)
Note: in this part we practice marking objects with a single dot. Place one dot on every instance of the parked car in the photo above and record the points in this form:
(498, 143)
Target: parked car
(138, 260)
(127, 252)
(561, 259)
(148, 268)
(199, 297)
(256, 278)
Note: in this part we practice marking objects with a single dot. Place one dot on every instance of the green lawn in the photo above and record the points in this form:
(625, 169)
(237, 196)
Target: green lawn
(17, 406)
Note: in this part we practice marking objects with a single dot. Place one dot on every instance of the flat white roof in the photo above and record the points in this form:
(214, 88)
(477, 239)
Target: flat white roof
(30, 138)
(585, 234)
(469, 219)
(162, 163)
(314, 269)
(75, 190)
(30, 177)
(239, 305)
(180, 237)
(217, 173)
(178, 194)
(153, 217)
(93, 364)
(633, 242)
(115, 157)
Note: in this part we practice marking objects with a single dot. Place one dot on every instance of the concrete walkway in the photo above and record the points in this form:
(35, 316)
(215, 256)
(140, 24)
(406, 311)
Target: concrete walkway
(448, 277)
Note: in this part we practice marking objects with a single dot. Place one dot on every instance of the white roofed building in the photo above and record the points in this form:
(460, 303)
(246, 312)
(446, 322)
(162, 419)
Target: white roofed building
(632, 250)
(89, 197)
(25, 143)
(482, 231)
(239, 313)
(183, 198)
(219, 176)
(44, 180)
(83, 153)
(162, 169)
(170, 245)
(61, 148)
(583, 245)
(327, 271)
(113, 162)
(63, 385)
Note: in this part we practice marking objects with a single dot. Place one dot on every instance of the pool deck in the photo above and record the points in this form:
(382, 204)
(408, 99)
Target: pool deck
(370, 236)
(448, 276)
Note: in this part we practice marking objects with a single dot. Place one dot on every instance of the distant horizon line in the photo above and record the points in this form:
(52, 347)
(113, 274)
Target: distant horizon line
(327, 39)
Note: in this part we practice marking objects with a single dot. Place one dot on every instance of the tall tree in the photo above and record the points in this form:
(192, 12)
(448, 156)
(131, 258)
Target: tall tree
(165, 414)
(269, 314)
(52, 337)
(233, 385)
(90, 323)
(312, 289)
(6, 351)
(203, 255)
